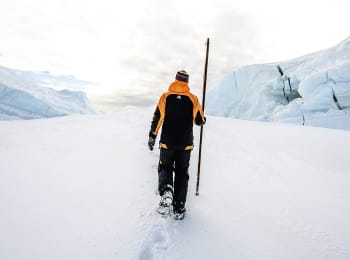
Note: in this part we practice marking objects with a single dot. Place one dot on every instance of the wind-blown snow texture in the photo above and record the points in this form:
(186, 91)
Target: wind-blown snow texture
(22, 97)
(83, 187)
(312, 90)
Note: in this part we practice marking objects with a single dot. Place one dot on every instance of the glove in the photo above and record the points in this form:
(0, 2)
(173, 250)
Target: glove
(205, 120)
(151, 141)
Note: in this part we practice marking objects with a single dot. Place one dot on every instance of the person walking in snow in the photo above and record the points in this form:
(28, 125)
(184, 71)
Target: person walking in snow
(176, 111)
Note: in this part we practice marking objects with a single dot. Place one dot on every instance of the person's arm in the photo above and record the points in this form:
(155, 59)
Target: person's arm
(199, 118)
(157, 121)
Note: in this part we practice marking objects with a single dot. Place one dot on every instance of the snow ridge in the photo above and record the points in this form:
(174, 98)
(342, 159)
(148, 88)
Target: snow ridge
(21, 98)
(315, 87)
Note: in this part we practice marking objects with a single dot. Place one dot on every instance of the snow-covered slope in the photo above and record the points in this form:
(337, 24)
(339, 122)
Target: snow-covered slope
(85, 189)
(21, 97)
(313, 90)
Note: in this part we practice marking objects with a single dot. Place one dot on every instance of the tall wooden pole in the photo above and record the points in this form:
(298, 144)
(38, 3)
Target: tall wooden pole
(203, 104)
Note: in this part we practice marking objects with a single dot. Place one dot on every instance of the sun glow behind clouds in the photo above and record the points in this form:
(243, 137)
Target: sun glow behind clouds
(136, 46)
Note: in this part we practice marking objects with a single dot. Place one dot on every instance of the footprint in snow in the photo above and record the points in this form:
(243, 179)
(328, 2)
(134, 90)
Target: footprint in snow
(156, 244)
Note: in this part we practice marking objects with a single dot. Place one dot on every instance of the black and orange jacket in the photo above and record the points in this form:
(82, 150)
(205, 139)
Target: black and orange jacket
(176, 111)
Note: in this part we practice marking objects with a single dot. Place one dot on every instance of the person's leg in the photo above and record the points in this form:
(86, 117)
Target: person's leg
(182, 162)
(165, 171)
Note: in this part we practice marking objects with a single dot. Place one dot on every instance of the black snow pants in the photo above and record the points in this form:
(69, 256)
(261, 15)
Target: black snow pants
(176, 161)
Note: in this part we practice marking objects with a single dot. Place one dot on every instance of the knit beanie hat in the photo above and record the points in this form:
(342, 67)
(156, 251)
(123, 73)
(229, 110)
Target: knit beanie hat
(182, 75)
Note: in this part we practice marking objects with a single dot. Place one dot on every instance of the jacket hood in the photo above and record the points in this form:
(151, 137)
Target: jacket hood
(179, 87)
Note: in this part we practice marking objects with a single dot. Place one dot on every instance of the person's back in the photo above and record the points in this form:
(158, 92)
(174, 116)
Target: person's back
(176, 111)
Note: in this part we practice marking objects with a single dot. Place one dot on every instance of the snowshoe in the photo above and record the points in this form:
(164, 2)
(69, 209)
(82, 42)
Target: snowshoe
(179, 215)
(179, 211)
(165, 203)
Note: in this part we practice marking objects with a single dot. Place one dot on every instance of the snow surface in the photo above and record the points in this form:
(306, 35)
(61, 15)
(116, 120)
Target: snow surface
(310, 90)
(22, 96)
(84, 187)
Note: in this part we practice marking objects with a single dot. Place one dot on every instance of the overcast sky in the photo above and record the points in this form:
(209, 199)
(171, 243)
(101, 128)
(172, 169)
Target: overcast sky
(133, 49)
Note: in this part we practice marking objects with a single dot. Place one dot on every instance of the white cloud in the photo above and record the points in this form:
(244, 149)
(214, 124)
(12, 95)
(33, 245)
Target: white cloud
(137, 46)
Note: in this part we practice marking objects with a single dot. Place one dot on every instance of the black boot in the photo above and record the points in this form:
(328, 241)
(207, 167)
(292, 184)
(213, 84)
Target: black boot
(179, 210)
